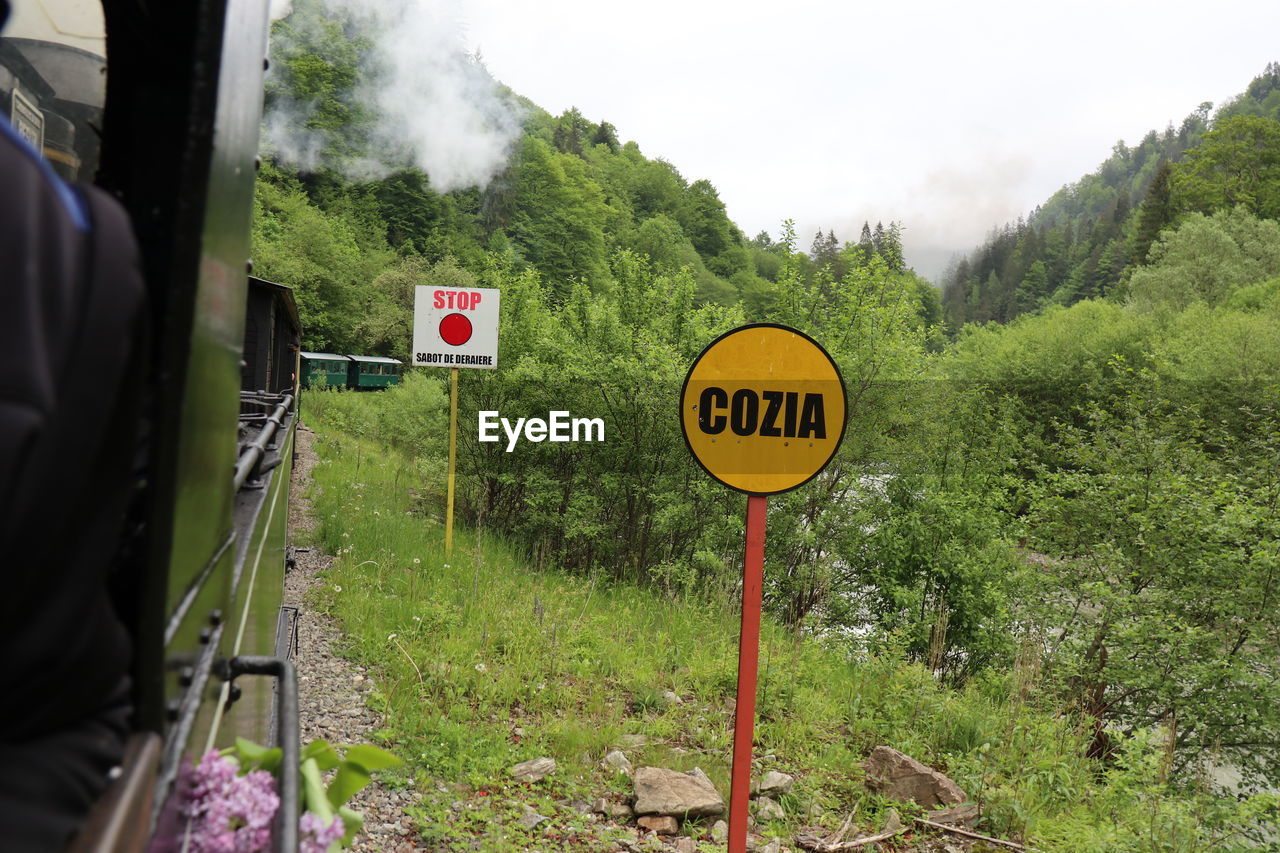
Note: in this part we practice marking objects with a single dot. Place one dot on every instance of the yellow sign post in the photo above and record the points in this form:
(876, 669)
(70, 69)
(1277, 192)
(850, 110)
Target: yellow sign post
(763, 411)
(453, 455)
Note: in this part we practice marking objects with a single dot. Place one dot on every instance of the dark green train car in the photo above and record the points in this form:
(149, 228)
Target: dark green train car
(326, 366)
(372, 372)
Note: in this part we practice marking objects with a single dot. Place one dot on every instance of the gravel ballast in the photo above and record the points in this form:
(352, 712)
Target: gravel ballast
(332, 689)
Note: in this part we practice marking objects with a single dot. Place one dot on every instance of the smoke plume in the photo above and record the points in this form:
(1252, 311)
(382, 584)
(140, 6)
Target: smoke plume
(433, 106)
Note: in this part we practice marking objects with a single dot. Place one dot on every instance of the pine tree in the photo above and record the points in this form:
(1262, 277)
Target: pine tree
(607, 135)
(864, 243)
(1155, 214)
(891, 247)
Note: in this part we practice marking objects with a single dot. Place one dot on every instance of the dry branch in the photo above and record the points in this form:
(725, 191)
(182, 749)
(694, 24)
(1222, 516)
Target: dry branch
(966, 833)
(818, 845)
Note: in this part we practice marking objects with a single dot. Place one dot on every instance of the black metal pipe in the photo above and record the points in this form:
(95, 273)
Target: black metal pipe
(254, 452)
(287, 721)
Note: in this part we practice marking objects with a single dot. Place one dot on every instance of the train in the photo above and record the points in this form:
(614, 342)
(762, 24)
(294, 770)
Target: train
(157, 106)
(353, 372)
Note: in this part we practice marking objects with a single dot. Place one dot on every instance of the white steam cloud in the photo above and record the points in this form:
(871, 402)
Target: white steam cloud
(435, 107)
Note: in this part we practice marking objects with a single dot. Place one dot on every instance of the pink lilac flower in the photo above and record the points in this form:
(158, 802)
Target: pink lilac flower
(315, 836)
(229, 813)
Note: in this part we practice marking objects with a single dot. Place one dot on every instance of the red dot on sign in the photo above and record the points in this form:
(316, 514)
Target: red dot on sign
(455, 329)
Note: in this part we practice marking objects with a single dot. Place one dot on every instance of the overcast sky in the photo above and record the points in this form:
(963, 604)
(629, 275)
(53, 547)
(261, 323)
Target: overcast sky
(949, 117)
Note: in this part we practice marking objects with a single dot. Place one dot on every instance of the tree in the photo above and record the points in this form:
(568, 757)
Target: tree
(891, 247)
(865, 243)
(1237, 164)
(606, 135)
(1206, 259)
(559, 217)
(825, 253)
(570, 132)
(328, 257)
(1156, 212)
(313, 112)
(655, 187)
(409, 208)
(702, 217)
(1164, 600)
(1034, 289)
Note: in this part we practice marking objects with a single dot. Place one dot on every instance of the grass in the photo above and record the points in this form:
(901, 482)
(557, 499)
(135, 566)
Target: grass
(483, 662)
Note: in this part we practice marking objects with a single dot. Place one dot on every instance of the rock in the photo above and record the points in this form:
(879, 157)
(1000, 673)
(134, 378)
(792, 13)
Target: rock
(620, 811)
(617, 762)
(768, 809)
(661, 824)
(697, 773)
(773, 784)
(633, 741)
(898, 776)
(685, 844)
(956, 815)
(531, 818)
(601, 806)
(659, 791)
(579, 807)
(534, 769)
(892, 821)
(774, 846)
(719, 832)
(670, 697)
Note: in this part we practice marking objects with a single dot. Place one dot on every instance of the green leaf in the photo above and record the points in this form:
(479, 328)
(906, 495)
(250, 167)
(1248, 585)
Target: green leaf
(314, 798)
(247, 750)
(372, 758)
(325, 756)
(349, 779)
(252, 756)
(352, 822)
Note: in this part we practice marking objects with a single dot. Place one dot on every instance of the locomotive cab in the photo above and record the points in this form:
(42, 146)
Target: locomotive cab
(158, 105)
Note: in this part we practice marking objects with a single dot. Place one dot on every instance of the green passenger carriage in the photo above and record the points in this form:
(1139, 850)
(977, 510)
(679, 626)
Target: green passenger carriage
(326, 366)
(372, 372)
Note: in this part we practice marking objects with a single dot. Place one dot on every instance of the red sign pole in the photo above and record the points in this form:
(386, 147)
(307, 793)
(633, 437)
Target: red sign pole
(748, 666)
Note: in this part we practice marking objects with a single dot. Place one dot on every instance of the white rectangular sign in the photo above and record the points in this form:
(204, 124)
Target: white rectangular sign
(455, 328)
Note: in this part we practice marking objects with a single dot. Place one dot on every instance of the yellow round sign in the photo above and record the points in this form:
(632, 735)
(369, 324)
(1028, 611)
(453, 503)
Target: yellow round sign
(763, 408)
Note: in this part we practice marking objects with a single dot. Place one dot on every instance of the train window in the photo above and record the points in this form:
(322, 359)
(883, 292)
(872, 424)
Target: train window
(53, 80)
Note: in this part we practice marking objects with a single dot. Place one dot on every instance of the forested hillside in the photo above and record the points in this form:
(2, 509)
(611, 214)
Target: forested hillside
(571, 197)
(1090, 237)
(1075, 511)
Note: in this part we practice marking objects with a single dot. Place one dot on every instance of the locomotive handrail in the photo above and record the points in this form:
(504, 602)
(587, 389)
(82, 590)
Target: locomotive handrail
(288, 736)
(254, 452)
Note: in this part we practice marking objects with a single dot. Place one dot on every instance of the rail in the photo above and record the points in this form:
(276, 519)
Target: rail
(252, 454)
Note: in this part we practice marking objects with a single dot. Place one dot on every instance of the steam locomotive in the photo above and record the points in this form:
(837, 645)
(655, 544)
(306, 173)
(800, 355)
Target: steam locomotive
(159, 104)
